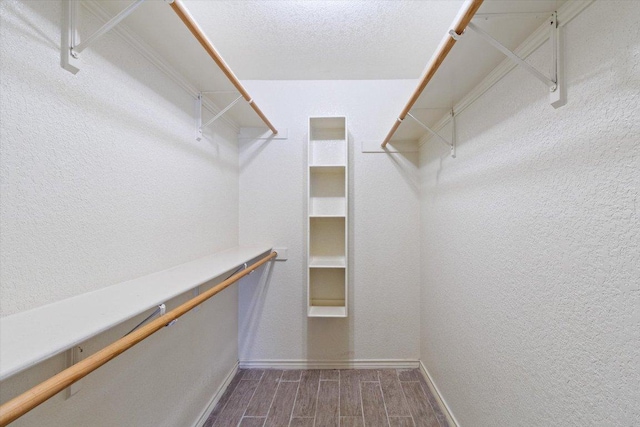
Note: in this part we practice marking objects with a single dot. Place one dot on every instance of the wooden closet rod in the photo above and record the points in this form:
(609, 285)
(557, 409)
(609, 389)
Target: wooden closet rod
(191, 24)
(465, 15)
(28, 400)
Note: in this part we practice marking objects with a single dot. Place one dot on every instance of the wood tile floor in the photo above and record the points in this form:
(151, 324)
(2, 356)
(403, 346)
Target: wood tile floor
(318, 398)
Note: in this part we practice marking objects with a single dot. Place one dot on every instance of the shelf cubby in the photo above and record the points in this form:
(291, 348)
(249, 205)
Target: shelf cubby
(327, 191)
(327, 141)
(327, 292)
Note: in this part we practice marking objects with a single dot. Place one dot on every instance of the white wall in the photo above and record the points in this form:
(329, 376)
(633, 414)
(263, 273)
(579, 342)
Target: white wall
(101, 181)
(531, 255)
(384, 216)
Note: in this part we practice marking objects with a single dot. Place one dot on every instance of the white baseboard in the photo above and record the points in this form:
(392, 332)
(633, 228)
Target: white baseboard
(434, 390)
(330, 364)
(216, 397)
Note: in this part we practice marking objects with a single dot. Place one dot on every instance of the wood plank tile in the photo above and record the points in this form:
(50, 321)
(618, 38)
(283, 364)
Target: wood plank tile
(280, 412)
(442, 418)
(291, 375)
(307, 394)
(210, 422)
(252, 374)
(409, 374)
(350, 393)
(400, 422)
(351, 422)
(252, 421)
(261, 401)
(421, 410)
(329, 374)
(393, 394)
(327, 414)
(227, 394)
(302, 422)
(233, 411)
(373, 405)
(367, 374)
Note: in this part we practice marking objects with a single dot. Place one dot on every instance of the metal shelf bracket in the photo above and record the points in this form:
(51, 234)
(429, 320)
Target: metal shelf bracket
(554, 81)
(452, 144)
(199, 125)
(71, 47)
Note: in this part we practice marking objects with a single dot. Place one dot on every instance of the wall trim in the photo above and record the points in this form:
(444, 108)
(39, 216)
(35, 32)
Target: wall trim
(436, 392)
(155, 59)
(216, 396)
(330, 364)
(566, 13)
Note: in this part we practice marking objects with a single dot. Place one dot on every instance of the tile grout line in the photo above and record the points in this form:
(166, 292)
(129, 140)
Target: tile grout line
(361, 402)
(406, 400)
(339, 412)
(295, 400)
(271, 404)
(384, 402)
(315, 414)
(317, 395)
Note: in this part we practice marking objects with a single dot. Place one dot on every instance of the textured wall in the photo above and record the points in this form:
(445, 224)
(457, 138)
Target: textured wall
(531, 257)
(384, 213)
(101, 181)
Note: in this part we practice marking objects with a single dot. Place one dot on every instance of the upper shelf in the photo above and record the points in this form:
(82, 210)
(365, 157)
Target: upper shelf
(166, 30)
(471, 60)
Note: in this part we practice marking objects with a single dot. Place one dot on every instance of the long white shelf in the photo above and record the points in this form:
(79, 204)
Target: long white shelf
(32, 336)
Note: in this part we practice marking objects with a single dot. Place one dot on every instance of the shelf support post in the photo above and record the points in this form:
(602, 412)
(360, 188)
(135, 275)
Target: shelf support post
(69, 35)
(553, 82)
(199, 125)
(452, 144)
(71, 49)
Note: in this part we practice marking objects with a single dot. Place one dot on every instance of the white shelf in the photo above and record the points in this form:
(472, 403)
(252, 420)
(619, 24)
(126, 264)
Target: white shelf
(33, 336)
(183, 58)
(328, 168)
(520, 25)
(327, 311)
(327, 262)
(328, 203)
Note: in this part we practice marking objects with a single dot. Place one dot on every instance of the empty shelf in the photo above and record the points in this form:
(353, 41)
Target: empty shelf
(327, 311)
(327, 262)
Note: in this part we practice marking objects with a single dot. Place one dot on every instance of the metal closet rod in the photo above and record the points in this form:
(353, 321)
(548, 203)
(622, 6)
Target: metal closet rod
(28, 400)
(191, 24)
(465, 15)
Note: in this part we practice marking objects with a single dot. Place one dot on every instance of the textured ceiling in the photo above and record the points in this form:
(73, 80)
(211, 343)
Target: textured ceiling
(337, 39)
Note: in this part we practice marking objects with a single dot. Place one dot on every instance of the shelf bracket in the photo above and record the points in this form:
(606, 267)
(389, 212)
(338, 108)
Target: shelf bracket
(71, 48)
(452, 144)
(556, 98)
(159, 311)
(74, 355)
(199, 125)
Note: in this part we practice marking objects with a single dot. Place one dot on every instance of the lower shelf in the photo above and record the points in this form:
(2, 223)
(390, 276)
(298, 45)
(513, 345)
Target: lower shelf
(327, 311)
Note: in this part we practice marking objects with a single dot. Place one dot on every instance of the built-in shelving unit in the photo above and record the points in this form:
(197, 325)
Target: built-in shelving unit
(328, 225)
